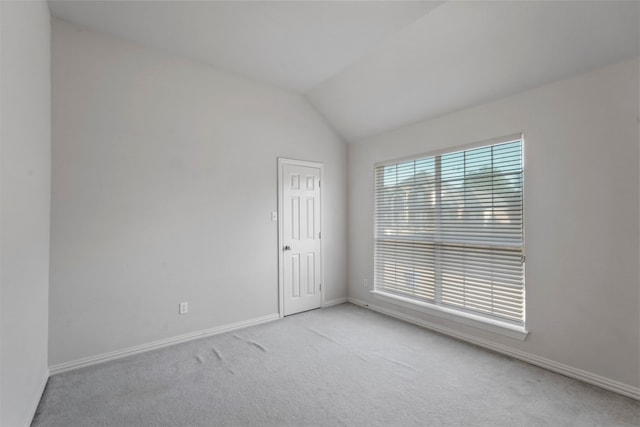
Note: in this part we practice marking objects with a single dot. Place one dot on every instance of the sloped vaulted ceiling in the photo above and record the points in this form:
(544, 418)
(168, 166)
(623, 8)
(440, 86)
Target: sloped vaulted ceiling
(294, 45)
(370, 66)
(468, 53)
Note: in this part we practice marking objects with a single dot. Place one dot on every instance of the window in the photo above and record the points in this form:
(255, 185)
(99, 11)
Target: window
(449, 231)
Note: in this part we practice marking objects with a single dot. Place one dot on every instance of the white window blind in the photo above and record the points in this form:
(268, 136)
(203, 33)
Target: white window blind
(449, 230)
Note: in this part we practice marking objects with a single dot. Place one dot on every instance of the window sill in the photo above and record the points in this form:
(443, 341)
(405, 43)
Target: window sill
(468, 319)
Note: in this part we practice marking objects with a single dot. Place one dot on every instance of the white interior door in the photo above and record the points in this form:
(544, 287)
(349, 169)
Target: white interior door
(301, 248)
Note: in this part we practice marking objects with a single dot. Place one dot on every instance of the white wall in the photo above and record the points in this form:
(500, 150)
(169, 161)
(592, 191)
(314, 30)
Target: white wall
(581, 210)
(164, 179)
(25, 159)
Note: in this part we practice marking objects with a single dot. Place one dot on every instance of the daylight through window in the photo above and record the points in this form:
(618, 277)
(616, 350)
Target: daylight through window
(449, 230)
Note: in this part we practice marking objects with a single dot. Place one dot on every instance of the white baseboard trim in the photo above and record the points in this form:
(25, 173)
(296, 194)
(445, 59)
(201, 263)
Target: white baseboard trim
(36, 402)
(119, 354)
(335, 302)
(551, 365)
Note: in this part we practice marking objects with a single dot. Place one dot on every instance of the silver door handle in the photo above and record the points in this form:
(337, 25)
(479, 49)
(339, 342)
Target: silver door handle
(286, 248)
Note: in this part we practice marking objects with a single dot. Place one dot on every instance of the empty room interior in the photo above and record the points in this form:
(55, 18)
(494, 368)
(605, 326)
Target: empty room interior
(387, 213)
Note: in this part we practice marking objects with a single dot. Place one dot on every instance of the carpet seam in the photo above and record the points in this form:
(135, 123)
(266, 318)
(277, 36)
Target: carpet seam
(154, 345)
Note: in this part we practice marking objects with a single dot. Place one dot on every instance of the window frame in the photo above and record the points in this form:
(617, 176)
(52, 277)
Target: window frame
(459, 315)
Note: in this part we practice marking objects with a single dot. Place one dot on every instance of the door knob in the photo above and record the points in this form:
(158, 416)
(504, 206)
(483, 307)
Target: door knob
(287, 248)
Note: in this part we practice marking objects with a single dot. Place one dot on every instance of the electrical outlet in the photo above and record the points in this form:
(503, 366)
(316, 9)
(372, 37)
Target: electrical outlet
(183, 308)
(365, 283)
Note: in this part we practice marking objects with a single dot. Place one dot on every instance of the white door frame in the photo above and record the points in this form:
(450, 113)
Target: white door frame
(281, 162)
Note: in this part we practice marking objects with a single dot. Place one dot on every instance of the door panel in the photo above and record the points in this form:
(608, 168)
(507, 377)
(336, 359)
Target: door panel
(301, 244)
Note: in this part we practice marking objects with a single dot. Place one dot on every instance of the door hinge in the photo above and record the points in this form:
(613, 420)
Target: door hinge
(320, 235)
(318, 183)
(320, 287)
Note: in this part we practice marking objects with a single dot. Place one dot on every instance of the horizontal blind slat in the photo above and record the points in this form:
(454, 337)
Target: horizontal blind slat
(453, 225)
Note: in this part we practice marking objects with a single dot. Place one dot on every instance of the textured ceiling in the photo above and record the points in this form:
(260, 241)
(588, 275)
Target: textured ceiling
(371, 66)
